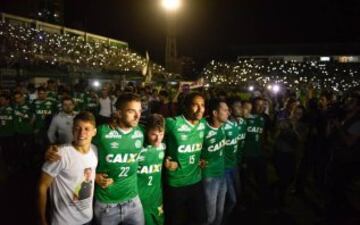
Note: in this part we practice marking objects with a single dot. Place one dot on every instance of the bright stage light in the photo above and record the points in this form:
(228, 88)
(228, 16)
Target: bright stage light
(96, 83)
(269, 87)
(171, 5)
(276, 88)
(251, 88)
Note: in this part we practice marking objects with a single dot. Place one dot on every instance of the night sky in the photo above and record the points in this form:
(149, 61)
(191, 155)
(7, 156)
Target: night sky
(222, 29)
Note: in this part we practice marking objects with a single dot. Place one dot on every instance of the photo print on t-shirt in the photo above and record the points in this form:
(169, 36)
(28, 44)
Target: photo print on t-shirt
(84, 189)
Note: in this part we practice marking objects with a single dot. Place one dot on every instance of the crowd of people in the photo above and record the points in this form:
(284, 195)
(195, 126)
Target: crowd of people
(29, 47)
(181, 156)
(332, 74)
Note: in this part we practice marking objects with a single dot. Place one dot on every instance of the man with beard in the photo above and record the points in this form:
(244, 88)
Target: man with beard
(184, 193)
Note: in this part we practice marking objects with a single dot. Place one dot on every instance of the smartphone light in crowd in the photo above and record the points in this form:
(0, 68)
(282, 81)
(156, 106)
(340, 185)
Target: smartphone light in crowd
(325, 59)
(276, 88)
(173, 83)
(96, 83)
(251, 88)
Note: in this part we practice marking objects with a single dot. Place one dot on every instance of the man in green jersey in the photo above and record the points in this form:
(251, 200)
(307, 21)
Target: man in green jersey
(119, 143)
(184, 137)
(231, 151)
(6, 130)
(92, 102)
(79, 97)
(151, 160)
(52, 90)
(254, 159)
(44, 109)
(212, 161)
(23, 128)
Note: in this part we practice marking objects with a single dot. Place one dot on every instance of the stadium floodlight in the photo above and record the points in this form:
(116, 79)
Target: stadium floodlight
(251, 88)
(96, 83)
(171, 5)
(276, 88)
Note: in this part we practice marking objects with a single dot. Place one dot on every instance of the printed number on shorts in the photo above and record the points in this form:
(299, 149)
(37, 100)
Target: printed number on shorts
(124, 171)
(192, 159)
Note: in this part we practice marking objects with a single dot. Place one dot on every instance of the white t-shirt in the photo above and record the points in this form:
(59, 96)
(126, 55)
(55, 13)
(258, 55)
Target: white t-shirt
(72, 189)
(106, 106)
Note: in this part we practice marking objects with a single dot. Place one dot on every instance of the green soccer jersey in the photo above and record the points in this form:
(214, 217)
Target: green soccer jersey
(242, 135)
(232, 136)
(23, 114)
(149, 183)
(118, 152)
(43, 109)
(255, 128)
(213, 152)
(184, 143)
(91, 104)
(79, 99)
(52, 96)
(6, 121)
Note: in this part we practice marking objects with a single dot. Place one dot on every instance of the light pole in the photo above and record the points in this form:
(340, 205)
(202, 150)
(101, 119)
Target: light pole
(171, 7)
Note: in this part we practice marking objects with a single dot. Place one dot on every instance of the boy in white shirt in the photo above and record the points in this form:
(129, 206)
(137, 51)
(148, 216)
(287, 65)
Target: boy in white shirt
(71, 180)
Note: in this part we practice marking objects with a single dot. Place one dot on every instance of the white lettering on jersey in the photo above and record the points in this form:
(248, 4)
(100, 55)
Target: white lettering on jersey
(231, 142)
(210, 134)
(137, 134)
(258, 130)
(113, 134)
(121, 158)
(155, 168)
(217, 146)
(184, 128)
(190, 148)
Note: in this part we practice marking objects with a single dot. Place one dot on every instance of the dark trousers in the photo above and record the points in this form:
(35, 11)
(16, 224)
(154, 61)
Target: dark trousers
(185, 205)
(7, 150)
(26, 150)
(257, 167)
(285, 165)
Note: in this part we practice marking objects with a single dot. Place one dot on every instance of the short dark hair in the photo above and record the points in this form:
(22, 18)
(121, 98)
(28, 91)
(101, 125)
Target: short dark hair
(233, 100)
(67, 98)
(188, 99)
(214, 105)
(164, 93)
(6, 96)
(258, 99)
(17, 93)
(41, 89)
(326, 94)
(86, 117)
(155, 121)
(125, 98)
